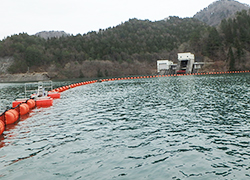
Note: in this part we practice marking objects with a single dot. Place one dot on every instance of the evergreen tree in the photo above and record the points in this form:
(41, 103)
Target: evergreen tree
(231, 59)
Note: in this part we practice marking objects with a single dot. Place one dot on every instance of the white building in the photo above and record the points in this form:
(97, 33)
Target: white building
(163, 65)
(185, 63)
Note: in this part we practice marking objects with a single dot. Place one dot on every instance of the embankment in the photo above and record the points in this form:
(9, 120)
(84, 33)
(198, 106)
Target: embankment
(23, 77)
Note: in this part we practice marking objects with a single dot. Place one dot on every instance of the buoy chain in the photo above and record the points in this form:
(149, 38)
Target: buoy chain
(11, 115)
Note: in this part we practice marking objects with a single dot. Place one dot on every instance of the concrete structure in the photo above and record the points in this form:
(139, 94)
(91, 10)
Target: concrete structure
(163, 65)
(198, 66)
(172, 69)
(185, 63)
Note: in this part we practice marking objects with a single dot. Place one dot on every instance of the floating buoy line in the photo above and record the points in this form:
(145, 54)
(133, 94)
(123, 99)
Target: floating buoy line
(42, 98)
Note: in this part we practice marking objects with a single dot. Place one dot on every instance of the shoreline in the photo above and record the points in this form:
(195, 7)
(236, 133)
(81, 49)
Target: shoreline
(24, 77)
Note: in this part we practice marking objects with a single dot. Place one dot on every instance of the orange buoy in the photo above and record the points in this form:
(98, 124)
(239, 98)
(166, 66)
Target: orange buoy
(31, 103)
(15, 112)
(60, 89)
(2, 126)
(24, 108)
(44, 102)
(54, 95)
(11, 116)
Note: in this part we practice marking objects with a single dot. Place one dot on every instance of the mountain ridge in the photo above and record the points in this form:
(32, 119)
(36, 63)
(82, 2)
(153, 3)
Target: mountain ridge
(211, 15)
(219, 10)
(132, 48)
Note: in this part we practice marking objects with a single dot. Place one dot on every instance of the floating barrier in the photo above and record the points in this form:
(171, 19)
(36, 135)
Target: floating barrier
(31, 103)
(11, 116)
(17, 102)
(54, 95)
(24, 109)
(21, 107)
(44, 102)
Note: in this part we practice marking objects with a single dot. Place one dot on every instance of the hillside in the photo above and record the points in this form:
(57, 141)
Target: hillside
(136, 44)
(131, 48)
(219, 10)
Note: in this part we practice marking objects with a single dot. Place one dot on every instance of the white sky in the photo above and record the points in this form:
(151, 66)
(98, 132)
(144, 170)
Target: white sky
(82, 16)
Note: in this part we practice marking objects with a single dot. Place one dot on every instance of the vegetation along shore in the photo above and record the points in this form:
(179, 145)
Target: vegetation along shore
(221, 38)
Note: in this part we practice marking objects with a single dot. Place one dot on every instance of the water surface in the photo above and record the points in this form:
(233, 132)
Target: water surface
(190, 127)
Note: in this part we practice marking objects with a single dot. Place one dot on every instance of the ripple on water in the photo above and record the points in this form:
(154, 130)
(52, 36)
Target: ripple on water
(194, 127)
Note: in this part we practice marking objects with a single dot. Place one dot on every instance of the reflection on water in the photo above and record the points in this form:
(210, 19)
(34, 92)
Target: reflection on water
(194, 127)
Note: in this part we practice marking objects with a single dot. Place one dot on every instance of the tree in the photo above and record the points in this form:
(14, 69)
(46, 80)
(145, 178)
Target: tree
(213, 41)
(33, 56)
(231, 59)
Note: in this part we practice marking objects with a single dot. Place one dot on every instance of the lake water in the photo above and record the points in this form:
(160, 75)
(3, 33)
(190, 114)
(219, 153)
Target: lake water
(188, 127)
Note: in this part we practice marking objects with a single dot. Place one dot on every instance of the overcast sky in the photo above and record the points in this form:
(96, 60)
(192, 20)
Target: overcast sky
(82, 16)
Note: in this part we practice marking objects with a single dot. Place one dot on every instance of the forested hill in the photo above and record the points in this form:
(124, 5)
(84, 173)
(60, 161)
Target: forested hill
(140, 41)
(132, 48)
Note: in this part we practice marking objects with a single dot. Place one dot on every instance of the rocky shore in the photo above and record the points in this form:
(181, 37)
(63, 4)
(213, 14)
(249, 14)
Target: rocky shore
(24, 77)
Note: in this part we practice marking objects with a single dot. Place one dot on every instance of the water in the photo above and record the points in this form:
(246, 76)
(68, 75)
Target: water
(190, 127)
